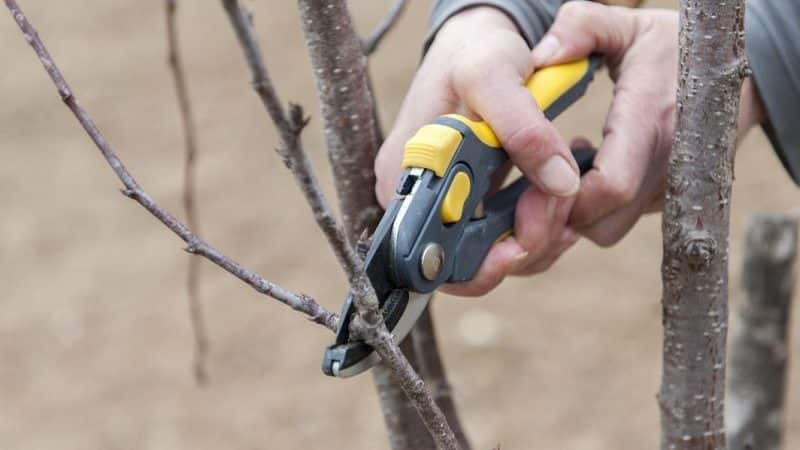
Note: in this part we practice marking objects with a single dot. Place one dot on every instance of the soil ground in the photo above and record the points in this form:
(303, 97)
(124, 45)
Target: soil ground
(95, 346)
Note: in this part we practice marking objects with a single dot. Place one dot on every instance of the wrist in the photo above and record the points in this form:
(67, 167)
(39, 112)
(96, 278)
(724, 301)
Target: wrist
(475, 18)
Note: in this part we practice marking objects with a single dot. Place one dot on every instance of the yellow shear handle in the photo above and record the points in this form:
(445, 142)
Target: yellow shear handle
(548, 86)
(554, 88)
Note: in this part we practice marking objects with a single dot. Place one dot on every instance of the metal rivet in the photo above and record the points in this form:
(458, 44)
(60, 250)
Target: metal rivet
(432, 261)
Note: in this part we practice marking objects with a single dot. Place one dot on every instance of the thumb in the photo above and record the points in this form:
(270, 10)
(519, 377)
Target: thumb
(581, 28)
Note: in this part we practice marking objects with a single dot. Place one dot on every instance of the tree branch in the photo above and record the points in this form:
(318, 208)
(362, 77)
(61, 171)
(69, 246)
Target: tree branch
(196, 315)
(410, 382)
(406, 430)
(380, 31)
(340, 70)
(195, 245)
(760, 347)
(696, 225)
(296, 160)
(423, 338)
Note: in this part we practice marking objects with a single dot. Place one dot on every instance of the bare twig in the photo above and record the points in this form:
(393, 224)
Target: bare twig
(196, 315)
(369, 327)
(404, 427)
(340, 70)
(406, 430)
(290, 127)
(195, 245)
(380, 31)
(412, 385)
(423, 337)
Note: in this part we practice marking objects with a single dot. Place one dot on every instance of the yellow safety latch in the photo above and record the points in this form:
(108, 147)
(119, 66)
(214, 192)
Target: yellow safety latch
(457, 194)
(432, 148)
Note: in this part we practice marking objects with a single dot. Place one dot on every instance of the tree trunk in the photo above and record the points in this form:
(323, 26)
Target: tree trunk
(696, 225)
(760, 348)
(340, 69)
(351, 131)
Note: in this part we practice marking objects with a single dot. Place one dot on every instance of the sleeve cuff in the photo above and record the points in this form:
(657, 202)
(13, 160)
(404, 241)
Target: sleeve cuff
(771, 36)
(532, 18)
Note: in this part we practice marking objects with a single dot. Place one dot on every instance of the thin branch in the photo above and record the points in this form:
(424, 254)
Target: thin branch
(341, 75)
(406, 430)
(372, 42)
(423, 337)
(368, 324)
(411, 383)
(195, 245)
(290, 127)
(196, 315)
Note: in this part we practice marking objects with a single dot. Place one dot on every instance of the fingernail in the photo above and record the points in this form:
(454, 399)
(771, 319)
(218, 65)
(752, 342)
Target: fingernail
(545, 49)
(558, 177)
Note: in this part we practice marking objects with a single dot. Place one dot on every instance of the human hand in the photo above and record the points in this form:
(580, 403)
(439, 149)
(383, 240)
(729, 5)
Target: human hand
(630, 169)
(484, 79)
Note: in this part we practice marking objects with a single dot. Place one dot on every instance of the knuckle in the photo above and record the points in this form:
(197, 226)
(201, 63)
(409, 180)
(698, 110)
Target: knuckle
(544, 267)
(574, 13)
(474, 65)
(530, 139)
(618, 191)
(497, 51)
(536, 244)
(469, 72)
(603, 236)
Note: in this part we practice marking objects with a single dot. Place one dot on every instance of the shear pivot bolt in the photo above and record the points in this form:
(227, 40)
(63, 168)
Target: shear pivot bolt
(432, 261)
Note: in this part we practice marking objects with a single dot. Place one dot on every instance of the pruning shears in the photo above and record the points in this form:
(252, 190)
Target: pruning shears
(440, 225)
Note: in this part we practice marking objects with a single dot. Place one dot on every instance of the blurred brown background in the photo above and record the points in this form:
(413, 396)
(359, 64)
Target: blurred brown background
(95, 345)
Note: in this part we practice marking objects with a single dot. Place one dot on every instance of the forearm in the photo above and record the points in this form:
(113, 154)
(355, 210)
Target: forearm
(532, 17)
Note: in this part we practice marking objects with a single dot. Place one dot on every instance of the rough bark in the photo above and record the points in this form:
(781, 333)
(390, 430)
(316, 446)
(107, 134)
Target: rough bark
(760, 347)
(696, 225)
(353, 136)
(340, 67)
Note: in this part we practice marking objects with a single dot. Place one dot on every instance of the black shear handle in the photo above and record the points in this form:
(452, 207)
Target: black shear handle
(498, 221)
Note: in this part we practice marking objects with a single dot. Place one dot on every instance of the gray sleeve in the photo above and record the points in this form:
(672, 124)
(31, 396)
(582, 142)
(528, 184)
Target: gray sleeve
(773, 48)
(533, 17)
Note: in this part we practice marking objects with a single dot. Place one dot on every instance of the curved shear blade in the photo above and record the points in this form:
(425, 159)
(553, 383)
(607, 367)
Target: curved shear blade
(345, 365)
(416, 306)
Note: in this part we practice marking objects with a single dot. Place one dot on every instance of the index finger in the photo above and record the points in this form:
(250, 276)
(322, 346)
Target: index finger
(494, 88)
